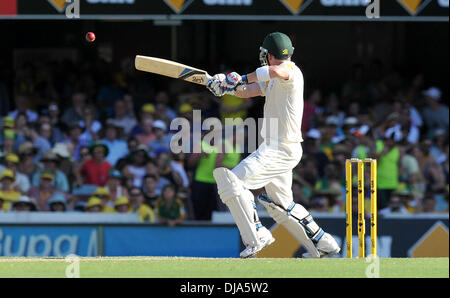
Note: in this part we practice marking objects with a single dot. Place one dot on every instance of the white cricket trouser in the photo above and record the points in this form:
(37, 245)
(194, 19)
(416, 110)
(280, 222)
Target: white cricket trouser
(271, 166)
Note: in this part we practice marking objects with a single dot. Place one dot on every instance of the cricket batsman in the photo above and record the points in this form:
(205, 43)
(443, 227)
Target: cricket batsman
(271, 165)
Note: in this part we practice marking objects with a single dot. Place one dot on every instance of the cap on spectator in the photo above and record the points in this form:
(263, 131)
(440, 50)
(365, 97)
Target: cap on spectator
(101, 191)
(314, 134)
(8, 122)
(122, 201)
(57, 198)
(433, 92)
(9, 134)
(350, 121)
(113, 173)
(49, 156)
(7, 174)
(185, 108)
(47, 175)
(97, 146)
(60, 149)
(27, 148)
(25, 200)
(93, 201)
(148, 108)
(332, 120)
(160, 124)
(11, 157)
(141, 147)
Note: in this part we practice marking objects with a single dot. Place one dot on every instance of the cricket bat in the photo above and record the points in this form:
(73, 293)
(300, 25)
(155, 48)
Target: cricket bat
(172, 69)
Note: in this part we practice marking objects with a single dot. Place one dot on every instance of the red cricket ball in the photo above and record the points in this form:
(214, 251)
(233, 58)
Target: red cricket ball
(90, 37)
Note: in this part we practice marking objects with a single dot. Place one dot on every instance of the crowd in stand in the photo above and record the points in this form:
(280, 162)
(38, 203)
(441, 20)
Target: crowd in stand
(77, 140)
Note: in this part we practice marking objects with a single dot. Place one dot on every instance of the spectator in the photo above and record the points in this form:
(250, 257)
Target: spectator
(7, 124)
(132, 145)
(9, 137)
(22, 183)
(137, 201)
(91, 126)
(117, 146)
(161, 138)
(395, 205)
(27, 165)
(103, 194)
(7, 192)
(22, 107)
(163, 110)
(150, 194)
(152, 168)
(410, 173)
(94, 205)
(147, 135)
(114, 185)
(24, 204)
(123, 118)
(95, 171)
(50, 163)
(74, 114)
(54, 116)
(388, 156)
(435, 114)
(42, 192)
(32, 135)
(166, 167)
(75, 142)
(429, 204)
(310, 110)
(147, 111)
(204, 188)
(136, 171)
(169, 208)
(57, 203)
(122, 205)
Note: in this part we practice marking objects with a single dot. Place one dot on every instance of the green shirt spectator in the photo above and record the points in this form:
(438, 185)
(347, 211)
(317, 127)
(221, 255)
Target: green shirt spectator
(387, 166)
(206, 164)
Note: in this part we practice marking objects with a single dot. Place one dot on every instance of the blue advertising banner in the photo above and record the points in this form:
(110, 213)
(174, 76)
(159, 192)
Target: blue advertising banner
(45, 241)
(195, 241)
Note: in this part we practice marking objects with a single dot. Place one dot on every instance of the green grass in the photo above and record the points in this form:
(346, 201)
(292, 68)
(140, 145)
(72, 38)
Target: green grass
(222, 268)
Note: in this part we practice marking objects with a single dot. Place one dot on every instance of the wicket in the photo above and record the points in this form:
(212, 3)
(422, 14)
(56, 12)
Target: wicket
(373, 206)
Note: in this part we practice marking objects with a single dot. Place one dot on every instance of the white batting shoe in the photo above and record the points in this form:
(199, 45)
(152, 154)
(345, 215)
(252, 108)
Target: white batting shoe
(265, 238)
(327, 247)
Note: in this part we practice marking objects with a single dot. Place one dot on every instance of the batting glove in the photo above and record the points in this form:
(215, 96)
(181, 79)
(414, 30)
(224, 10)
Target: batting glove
(214, 83)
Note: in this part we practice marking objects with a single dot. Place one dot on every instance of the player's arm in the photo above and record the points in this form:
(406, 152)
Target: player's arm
(266, 73)
(247, 91)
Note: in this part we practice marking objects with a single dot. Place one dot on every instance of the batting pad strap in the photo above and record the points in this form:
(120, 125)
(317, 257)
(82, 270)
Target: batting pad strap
(263, 74)
(290, 223)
